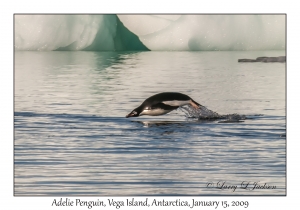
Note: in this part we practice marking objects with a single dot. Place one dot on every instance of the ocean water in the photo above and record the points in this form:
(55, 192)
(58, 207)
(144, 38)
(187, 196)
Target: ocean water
(71, 136)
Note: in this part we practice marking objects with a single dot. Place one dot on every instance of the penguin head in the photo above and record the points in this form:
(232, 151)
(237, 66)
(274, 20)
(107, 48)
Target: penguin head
(134, 113)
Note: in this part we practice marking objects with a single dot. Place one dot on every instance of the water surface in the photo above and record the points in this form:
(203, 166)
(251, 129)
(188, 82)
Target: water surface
(72, 137)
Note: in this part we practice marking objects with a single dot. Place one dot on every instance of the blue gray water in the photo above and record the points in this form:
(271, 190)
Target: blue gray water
(72, 137)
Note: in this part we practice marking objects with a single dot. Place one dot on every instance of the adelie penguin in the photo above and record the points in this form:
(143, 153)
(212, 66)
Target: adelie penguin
(163, 103)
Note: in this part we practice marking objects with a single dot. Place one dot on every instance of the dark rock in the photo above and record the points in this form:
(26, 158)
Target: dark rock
(261, 58)
(281, 59)
(246, 60)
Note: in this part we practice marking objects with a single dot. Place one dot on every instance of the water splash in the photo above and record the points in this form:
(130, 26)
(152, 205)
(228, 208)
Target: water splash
(204, 113)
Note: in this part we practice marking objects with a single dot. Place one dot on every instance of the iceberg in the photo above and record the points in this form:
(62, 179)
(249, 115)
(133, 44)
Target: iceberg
(150, 32)
(73, 32)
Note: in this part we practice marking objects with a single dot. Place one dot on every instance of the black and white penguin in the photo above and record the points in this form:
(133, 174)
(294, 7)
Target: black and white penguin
(163, 103)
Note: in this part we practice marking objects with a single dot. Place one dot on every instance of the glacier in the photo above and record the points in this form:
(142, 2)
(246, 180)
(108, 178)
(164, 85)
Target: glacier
(149, 32)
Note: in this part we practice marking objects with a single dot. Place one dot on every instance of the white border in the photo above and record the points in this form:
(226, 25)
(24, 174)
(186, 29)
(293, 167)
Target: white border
(154, 6)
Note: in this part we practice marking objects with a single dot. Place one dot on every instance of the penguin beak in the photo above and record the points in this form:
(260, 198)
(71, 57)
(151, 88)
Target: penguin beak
(132, 114)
